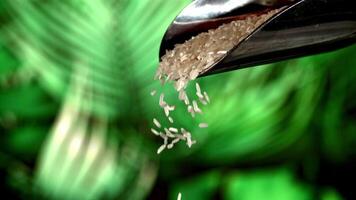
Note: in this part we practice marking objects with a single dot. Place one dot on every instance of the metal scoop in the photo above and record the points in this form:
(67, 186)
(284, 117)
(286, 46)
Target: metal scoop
(303, 27)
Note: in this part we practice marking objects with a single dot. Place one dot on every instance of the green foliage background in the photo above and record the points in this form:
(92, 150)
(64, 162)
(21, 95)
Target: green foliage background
(75, 112)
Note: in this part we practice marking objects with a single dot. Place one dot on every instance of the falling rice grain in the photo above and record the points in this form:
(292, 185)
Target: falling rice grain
(189, 142)
(156, 122)
(161, 148)
(196, 108)
(171, 108)
(203, 101)
(172, 129)
(200, 95)
(153, 92)
(203, 125)
(179, 136)
(161, 100)
(179, 196)
(186, 100)
(182, 95)
(176, 140)
(154, 131)
(190, 109)
(207, 97)
(169, 133)
(172, 143)
(180, 84)
(166, 111)
(197, 86)
(188, 136)
(170, 119)
(163, 136)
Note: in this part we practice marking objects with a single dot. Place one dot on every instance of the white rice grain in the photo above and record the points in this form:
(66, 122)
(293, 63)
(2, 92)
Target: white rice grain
(156, 122)
(170, 119)
(199, 95)
(172, 129)
(186, 100)
(161, 148)
(221, 52)
(163, 136)
(180, 84)
(175, 140)
(197, 86)
(179, 196)
(182, 95)
(202, 100)
(206, 97)
(196, 108)
(189, 139)
(179, 136)
(190, 109)
(166, 111)
(171, 145)
(153, 92)
(169, 133)
(161, 100)
(154, 131)
(171, 108)
(203, 125)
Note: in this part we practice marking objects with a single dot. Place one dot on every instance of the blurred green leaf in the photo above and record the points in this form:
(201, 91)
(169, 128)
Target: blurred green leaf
(202, 187)
(267, 184)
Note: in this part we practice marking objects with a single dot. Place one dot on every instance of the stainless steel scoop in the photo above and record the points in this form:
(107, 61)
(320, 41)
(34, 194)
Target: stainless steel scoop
(304, 27)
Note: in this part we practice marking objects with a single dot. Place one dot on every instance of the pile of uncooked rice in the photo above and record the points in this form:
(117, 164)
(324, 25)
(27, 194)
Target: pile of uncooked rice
(187, 61)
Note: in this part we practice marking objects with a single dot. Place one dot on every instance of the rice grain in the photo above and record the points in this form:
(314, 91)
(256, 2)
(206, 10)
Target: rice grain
(172, 129)
(161, 148)
(207, 97)
(203, 125)
(156, 122)
(197, 87)
(196, 108)
(153, 92)
(166, 111)
(161, 100)
(179, 196)
(169, 133)
(154, 131)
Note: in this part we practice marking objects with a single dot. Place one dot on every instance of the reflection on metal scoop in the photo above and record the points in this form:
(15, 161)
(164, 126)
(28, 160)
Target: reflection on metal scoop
(303, 28)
